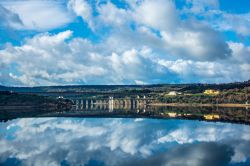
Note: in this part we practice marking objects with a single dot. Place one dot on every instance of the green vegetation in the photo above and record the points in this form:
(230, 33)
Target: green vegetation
(14, 99)
(8, 99)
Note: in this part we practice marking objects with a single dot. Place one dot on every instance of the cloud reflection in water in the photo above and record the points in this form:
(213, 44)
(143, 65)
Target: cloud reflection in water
(107, 141)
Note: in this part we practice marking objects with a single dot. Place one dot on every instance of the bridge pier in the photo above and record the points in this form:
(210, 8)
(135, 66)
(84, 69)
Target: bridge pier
(111, 104)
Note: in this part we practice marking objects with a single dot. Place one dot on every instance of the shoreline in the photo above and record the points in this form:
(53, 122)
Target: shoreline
(200, 105)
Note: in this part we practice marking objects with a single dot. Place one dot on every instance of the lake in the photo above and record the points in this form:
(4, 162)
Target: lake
(123, 141)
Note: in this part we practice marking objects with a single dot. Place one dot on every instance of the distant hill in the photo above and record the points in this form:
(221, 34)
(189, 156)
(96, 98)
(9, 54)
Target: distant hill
(188, 88)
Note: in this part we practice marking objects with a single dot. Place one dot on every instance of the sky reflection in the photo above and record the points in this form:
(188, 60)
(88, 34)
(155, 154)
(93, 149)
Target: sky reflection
(107, 141)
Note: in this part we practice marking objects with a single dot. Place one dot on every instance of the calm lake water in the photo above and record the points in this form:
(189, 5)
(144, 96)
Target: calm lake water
(123, 141)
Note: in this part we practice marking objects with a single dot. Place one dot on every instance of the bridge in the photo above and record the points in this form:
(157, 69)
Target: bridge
(110, 103)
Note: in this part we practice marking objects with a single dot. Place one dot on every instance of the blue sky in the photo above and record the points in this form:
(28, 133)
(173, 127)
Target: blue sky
(54, 42)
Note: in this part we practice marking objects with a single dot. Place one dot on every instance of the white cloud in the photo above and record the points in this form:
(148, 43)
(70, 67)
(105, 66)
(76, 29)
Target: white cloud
(48, 59)
(188, 38)
(210, 12)
(239, 23)
(158, 14)
(109, 14)
(9, 19)
(196, 42)
(83, 9)
(201, 6)
(225, 21)
(39, 15)
(57, 59)
(147, 42)
(221, 71)
(240, 52)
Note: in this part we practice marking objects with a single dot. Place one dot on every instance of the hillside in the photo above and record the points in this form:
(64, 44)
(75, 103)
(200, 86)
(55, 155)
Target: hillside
(187, 88)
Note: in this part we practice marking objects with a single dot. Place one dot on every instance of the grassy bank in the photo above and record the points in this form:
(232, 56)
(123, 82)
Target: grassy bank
(199, 105)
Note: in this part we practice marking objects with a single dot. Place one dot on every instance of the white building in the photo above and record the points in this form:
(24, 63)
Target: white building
(172, 93)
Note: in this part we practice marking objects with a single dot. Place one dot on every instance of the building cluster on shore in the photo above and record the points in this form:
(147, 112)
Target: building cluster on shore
(211, 92)
(206, 92)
